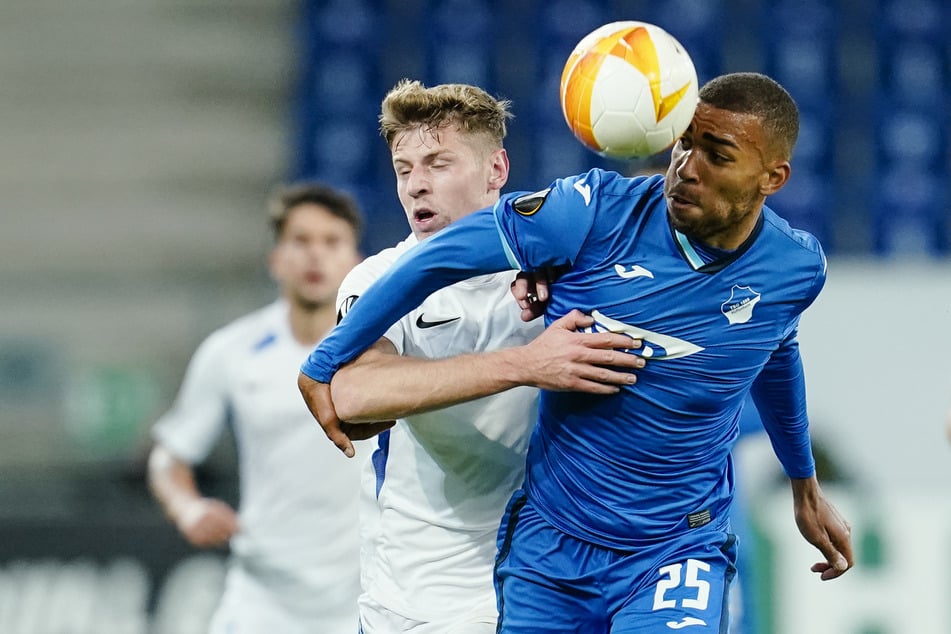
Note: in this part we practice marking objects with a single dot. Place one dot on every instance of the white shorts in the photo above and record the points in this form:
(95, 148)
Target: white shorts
(376, 619)
(248, 607)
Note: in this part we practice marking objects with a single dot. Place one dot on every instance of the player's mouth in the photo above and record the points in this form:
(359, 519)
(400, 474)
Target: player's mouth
(679, 201)
(314, 277)
(423, 216)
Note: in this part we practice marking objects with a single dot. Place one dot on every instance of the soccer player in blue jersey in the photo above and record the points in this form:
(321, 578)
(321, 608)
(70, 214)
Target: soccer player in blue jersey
(622, 524)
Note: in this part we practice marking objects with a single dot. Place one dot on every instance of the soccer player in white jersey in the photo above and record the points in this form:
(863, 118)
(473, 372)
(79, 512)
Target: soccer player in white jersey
(294, 552)
(441, 477)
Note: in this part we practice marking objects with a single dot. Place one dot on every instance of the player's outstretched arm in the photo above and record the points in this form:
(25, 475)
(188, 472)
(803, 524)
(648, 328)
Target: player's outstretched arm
(204, 522)
(561, 358)
(823, 526)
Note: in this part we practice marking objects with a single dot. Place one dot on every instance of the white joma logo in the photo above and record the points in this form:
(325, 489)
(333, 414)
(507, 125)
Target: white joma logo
(687, 621)
(656, 345)
(585, 191)
(635, 271)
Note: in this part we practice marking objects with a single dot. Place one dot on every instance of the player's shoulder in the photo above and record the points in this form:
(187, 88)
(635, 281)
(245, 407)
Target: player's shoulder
(607, 186)
(799, 250)
(364, 274)
(375, 265)
(797, 241)
(249, 329)
(593, 188)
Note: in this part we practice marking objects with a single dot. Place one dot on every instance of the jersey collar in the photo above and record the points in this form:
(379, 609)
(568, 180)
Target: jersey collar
(697, 263)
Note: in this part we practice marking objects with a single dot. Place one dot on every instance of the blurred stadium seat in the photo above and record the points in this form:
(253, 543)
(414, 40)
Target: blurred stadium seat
(52, 596)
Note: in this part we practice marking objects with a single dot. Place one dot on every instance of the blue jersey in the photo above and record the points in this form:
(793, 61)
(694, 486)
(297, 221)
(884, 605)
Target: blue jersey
(652, 461)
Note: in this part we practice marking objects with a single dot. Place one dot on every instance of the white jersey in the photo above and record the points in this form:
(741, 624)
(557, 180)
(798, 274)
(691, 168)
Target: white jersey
(299, 504)
(445, 477)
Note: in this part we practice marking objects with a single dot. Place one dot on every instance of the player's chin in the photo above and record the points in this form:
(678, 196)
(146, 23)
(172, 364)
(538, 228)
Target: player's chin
(682, 220)
(314, 297)
(426, 226)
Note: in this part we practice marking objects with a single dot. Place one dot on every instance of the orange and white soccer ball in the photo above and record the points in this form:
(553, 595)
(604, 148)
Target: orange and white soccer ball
(628, 90)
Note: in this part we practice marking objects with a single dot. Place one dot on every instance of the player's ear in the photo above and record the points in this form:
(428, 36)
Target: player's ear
(775, 177)
(498, 169)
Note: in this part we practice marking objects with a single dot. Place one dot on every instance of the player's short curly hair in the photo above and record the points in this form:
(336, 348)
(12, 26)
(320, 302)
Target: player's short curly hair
(286, 197)
(761, 96)
(410, 104)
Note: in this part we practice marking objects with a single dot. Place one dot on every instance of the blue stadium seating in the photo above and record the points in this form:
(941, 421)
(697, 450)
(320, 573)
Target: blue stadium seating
(861, 127)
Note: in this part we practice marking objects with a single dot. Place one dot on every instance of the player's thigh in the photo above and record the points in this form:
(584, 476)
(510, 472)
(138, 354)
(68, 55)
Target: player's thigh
(540, 580)
(689, 589)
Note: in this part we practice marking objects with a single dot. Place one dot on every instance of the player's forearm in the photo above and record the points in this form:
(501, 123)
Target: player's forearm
(172, 482)
(391, 386)
(780, 396)
(805, 491)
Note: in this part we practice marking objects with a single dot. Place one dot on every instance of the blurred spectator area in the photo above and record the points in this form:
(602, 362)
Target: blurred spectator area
(871, 78)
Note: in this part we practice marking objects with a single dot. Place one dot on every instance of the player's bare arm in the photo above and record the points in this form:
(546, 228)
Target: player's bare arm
(824, 527)
(204, 522)
(340, 433)
(560, 359)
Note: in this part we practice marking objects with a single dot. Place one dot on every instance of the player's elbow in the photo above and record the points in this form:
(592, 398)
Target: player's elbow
(349, 398)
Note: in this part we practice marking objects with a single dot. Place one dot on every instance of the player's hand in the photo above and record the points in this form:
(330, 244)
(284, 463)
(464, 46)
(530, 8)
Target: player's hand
(206, 522)
(824, 527)
(531, 291)
(320, 403)
(563, 359)
(363, 431)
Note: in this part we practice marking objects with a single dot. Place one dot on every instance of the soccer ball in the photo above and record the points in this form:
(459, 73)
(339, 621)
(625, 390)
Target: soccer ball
(628, 90)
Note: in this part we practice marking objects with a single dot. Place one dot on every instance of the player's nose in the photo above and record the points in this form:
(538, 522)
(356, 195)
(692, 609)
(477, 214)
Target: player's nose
(687, 165)
(417, 182)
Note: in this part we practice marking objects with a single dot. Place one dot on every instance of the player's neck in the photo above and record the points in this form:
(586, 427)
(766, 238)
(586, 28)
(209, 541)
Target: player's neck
(310, 325)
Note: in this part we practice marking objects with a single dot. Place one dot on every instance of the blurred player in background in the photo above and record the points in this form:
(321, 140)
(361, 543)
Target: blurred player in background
(622, 524)
(439, 480)
(294, 548)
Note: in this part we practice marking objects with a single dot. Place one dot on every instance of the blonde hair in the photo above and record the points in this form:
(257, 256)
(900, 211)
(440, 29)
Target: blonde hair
(410, 105)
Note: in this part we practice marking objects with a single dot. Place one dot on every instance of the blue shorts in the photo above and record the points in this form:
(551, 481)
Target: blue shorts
(547, 581)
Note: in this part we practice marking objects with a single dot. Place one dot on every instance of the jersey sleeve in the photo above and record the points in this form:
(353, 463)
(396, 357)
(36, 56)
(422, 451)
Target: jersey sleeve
(779, 393)
(549, 227)
(361, 277)
(190, 429)
(468, 247)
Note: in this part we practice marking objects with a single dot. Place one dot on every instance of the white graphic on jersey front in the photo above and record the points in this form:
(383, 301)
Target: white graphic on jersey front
(687, 621)
(635, 271)
(739, 308)
(656, 345)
